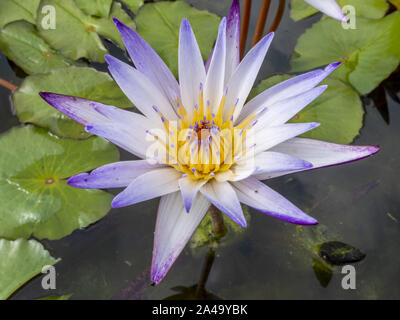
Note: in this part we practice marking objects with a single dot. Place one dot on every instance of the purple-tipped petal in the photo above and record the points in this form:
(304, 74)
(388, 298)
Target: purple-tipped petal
(191, 66)
(232, 40)
(319, 153)
(223, 196)
(329, 7)
(243, 78)
(284, 110)
(272, 136)
(275, 162)
(148, 62)
(262, 198)
(113, 175)
(139, 89)
(287, 89)
(131, 139)
(174, 229)
(147, 186)
(189, 189)
(79, 109)
(214, 85)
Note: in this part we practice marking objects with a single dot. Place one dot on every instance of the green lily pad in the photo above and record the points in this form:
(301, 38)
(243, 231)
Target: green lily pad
(76, 34)
(396, 3)
(339, 253)
(63, 297)
(106, 27)
(372, 9)
(75, 81)
(20, 42)
(13, 10)
(20, 261)
(100, 8)
(370, 53)
(34, 194)
(159, 23)
(133, 5)
(338, 109)
(322, 271)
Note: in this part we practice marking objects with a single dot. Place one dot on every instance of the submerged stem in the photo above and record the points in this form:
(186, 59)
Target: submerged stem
(205, 272)
(217, 221)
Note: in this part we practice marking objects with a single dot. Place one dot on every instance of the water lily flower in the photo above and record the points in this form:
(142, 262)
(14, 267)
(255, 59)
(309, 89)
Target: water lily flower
(212, 146)
(329, 7)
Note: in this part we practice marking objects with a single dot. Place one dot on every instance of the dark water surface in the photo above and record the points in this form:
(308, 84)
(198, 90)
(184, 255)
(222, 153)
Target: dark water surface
(356, 203)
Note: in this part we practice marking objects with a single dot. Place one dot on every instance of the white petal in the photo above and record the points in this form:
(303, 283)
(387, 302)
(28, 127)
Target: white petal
(286, 89)
(189, 188)
(140, 90)
(148, 62)
(319, 153)
(262, 198)
(232, 40)
(271, 136)
(242, 80)
(214, 86)
(130, 138)
(191, 67)
(174, 228)
(329, 7)
(147, 186)
(112, 175)
(284, 110)
(79, 109)
(222, 195)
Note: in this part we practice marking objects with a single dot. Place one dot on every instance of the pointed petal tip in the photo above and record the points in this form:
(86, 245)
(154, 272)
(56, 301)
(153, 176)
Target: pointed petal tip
(310, 222)
(76, 180)
(117, 22)
(49, 96)
(188, 206)
(109, 58)
(44, 94)
(314, 125)
(116, 203)
(89, 128)
(332, 66)
(185, 24)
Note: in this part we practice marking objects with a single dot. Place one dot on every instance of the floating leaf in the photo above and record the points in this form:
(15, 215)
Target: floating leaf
(76, 34)
(75, 81)
(372, 9)
(158, 23)
(396, 3)
(13, 10)
(107, 28)
(20, 261)
(34, 194)
(322, 271)
(20, 42)
(64, 297)
(100, 8)
(338, 109)
(370, 53)
(133, 5)
(338, 253)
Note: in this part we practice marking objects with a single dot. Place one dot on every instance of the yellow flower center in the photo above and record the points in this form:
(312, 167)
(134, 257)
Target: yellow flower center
(203, 144)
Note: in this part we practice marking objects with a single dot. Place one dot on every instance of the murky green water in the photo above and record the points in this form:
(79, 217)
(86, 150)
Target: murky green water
(356, 203)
